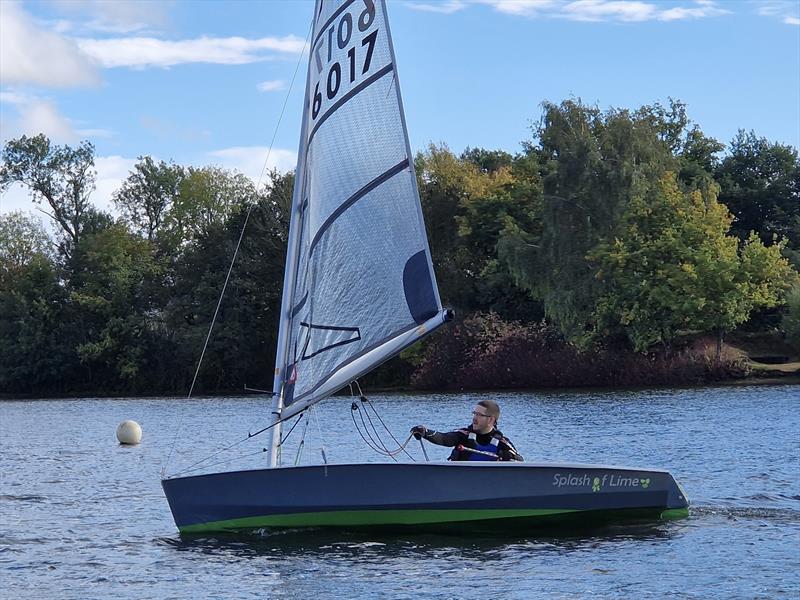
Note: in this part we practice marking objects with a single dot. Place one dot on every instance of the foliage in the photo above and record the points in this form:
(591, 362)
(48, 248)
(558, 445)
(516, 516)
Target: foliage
(484, 351)
(607, 223)
(22, 240)
(760, 184)
(467, 202)
(33, 326)
(147, 195)
(791, 320)
(672, 269)
(61, 176)
(591, 164)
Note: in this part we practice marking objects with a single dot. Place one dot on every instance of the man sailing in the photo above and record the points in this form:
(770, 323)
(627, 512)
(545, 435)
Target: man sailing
(480, 441)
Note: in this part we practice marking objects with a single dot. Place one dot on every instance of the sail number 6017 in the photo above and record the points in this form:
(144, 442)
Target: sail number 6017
(342, 34)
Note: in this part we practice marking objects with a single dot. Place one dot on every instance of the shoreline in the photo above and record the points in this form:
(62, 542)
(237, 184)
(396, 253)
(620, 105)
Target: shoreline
(774, 378)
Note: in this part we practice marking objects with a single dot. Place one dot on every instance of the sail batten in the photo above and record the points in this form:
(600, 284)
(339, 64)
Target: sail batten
(364, 284)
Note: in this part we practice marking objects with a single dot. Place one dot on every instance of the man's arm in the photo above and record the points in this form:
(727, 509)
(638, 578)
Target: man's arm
(450, 439)
(508, 452)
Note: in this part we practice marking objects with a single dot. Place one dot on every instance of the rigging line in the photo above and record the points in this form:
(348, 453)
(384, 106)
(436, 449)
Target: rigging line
(400, 447)
(389, 453)
(226, 461)
(374, 410)
(319, 433)
(375, 430)
(369, 442)
(285, 102)
(236, 252)
(424, 452)
(375, 444)
(226, 448)
(291, 429)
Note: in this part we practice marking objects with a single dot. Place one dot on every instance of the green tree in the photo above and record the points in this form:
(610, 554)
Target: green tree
(61, 176)
(146, 196)
(671, 269)
(760, 184)
(791, 320)
(22, 240)
(591, 164)
(112, 293)
(242, 344)
(467, 202)
(206, 199)
(34, 355)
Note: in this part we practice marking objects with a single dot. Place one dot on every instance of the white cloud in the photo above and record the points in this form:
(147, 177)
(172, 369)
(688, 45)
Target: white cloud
(34, 116)
(787, 11)
(250, 160)
(528, 8)
(600, 10)
(144, 52)
(30, 54)
(16, 197)
(111, 172)
(114, 16)
(272, 86)
(591, 10)
(446, 8)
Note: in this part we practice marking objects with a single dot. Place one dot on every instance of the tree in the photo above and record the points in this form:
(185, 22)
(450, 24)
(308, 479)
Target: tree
(591, 164)
(791, 320)
(671, 268)
(61, 176)
(22, 240)
(244, 336)
(34, 355)
(760, 184)
(148, 193)
(466, 207)
(206, 198)
(112, 292)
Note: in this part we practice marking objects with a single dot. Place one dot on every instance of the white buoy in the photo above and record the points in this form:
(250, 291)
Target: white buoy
(129, 432)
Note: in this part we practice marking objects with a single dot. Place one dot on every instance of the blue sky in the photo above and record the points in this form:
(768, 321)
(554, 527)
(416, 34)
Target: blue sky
(204, 82)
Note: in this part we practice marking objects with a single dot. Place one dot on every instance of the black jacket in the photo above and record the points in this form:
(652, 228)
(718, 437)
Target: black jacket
(460, 437)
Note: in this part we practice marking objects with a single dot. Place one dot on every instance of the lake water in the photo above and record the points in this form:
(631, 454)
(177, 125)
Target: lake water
(83, 517)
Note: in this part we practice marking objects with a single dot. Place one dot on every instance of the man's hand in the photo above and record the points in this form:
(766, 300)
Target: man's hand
(419, 431)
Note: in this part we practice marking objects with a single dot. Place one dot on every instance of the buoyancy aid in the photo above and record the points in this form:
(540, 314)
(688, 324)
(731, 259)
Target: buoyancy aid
(493, 448)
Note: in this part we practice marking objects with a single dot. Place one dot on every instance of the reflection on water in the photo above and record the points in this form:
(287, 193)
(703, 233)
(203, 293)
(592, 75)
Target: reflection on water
(323, 542)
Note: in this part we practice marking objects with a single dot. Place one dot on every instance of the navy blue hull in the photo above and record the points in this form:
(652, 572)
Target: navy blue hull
(416, 494)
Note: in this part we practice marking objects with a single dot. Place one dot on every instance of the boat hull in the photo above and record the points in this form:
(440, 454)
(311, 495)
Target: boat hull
(430, 496)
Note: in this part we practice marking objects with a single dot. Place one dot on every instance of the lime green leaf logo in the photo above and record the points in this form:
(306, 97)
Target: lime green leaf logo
(596, 484)
(645, 483)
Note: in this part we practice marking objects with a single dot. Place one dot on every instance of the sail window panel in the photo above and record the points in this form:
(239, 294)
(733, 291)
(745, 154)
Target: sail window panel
(355, 281)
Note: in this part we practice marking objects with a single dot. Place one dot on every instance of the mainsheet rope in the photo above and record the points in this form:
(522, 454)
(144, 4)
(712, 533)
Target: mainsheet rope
(375, 444)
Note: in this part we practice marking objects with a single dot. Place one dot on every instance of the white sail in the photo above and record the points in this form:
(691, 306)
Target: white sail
(362, 286)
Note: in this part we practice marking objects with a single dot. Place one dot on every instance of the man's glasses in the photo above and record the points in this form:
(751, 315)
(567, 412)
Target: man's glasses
(477, 414)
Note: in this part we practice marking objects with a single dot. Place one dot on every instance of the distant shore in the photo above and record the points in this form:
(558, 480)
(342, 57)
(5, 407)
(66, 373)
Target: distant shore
(771, 375)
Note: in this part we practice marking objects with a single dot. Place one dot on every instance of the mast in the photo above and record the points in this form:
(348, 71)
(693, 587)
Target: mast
(289, 276)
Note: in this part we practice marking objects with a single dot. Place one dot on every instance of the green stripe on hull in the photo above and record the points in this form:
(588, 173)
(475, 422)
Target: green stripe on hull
(359, 518)
(417, 518)
(675, 513)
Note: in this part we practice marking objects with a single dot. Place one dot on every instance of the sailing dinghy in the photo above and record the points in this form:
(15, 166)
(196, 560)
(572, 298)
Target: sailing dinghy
(359, 287)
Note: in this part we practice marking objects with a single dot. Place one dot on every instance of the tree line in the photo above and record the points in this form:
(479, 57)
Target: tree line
(601, 253)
